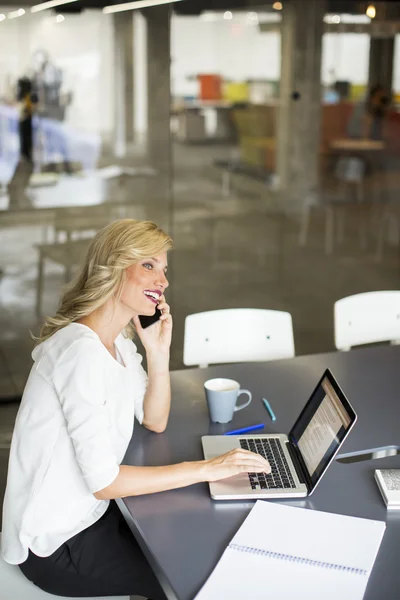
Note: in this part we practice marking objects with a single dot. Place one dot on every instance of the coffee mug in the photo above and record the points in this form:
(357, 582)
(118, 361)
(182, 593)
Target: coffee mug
(222, 395)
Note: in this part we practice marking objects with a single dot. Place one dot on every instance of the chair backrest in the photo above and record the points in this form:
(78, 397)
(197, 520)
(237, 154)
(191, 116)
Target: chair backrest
(367, 318)
(350, 169)
(237, 335)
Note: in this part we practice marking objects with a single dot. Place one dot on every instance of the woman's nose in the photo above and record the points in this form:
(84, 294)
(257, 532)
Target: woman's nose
(162, 281)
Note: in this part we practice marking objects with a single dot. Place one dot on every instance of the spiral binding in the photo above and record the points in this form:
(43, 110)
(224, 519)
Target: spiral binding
(297, 559)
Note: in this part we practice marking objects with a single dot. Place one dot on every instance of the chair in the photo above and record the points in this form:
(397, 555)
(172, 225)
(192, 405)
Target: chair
(367, 318)
(69, 255)
(348, 173)
(389, 228)
(15, 586)
(237, 335)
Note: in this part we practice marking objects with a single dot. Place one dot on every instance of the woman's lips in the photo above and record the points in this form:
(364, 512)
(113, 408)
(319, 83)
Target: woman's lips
(153, 295)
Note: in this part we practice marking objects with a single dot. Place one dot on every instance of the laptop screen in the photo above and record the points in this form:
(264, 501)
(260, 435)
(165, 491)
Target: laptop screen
(322, 426)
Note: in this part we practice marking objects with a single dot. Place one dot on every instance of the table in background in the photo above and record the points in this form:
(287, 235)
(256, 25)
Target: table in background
(183, 532)
(357, 145)
(204, 120)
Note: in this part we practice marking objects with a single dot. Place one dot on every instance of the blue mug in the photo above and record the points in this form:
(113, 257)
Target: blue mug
(222, 396)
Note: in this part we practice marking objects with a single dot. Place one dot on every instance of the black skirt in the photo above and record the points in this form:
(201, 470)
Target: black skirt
(102, 560)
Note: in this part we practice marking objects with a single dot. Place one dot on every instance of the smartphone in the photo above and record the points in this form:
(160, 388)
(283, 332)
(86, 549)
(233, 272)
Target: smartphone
(146, 320)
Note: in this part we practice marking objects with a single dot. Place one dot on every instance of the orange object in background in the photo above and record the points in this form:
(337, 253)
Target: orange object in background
(210, 87)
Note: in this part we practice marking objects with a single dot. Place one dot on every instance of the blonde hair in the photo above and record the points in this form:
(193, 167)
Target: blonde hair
(114, 248)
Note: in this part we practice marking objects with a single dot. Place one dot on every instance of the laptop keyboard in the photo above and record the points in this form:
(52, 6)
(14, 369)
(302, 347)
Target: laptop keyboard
(271, 449)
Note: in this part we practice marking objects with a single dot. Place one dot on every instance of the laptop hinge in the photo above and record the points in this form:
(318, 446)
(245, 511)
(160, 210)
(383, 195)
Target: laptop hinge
(297, 465)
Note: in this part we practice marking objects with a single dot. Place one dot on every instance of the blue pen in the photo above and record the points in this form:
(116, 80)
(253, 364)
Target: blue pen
(245, 429)
(269, 409)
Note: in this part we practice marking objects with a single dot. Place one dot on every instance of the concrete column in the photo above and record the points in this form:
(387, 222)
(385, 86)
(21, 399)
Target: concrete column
(159, 149)
(381, 50)
(123, 82)
(299, 118)
(381, 58)
(158, 84)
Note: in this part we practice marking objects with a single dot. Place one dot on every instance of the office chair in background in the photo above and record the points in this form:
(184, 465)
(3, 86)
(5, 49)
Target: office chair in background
(237, 335)
(367, 318)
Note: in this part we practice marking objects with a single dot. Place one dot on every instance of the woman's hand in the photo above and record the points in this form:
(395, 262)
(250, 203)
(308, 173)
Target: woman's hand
(156, 338)
(233, 463)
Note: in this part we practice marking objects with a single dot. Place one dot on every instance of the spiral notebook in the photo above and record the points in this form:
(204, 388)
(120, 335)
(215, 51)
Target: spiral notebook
(283, 553)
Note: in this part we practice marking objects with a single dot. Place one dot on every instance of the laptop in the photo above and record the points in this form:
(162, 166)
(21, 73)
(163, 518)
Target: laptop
(298, 460)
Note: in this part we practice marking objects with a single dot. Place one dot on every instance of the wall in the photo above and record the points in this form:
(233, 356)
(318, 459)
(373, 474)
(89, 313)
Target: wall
(347, 55)
(237, 51)
(240, 51)
(82, 46)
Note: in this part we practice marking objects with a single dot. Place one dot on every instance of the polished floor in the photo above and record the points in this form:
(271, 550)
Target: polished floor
(231, 250)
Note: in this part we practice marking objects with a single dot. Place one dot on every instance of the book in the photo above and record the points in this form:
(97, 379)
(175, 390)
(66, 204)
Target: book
(282, 552)
(388, 481)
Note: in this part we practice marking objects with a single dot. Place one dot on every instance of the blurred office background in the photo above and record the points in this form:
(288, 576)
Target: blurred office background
(232, 124)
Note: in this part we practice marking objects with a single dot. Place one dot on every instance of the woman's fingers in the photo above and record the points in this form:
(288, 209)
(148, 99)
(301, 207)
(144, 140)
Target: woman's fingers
(165, 310)
(163, 306)
(249, 460)
(235, 462)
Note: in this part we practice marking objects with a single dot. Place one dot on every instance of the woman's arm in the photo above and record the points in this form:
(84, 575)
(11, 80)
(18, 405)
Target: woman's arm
(136, 481)
(157, 400)
(156, 340)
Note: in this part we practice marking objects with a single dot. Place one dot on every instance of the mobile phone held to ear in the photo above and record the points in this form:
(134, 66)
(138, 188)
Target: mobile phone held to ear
(146, 320)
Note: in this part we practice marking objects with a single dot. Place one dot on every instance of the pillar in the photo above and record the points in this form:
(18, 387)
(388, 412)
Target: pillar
(159, 150)
(158, 85)
(123, 82)
(381, 58)
(381, 50)
(300, 111)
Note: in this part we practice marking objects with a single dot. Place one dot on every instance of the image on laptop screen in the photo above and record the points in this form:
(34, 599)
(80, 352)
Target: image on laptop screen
(321, 427)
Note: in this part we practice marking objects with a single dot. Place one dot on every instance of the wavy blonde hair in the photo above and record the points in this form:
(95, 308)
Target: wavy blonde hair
(114, 248)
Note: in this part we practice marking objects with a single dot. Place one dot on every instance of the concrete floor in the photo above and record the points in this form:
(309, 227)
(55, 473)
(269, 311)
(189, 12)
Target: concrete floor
(230, 251)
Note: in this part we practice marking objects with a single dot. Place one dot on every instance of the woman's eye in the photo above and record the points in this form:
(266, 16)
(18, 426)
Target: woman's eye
(148, 266)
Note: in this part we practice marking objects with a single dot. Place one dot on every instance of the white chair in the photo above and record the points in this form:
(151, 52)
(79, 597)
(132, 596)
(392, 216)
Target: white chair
(15, 586)
(237, 335)
(367, 318)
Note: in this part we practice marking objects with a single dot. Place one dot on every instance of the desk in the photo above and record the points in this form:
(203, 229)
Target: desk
(357, 145)
(183, 532)
(205, 120)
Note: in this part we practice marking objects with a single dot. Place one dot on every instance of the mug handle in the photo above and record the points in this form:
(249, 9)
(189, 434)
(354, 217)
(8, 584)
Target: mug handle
(246, 403)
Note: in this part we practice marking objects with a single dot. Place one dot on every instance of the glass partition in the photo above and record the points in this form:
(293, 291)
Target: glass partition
(206, 124)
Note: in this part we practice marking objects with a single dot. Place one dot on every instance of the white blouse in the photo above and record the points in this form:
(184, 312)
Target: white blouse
(72, 430)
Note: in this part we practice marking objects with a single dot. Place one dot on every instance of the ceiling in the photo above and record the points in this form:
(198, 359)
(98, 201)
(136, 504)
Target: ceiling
(195, 7)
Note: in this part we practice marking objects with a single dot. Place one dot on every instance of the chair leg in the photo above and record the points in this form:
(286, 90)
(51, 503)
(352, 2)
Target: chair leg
(304, 225)
(381, 238)
(226, 183)
(363, 236)
(340, 227)
(39, 286)
(329, 229)
(360, 191)
(363, 231)
(67, 274)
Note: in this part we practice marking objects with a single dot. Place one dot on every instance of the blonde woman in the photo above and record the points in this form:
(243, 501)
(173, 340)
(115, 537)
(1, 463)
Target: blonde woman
(61, 524)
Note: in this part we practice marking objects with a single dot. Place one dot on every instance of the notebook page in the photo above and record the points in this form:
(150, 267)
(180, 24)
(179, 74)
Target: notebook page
(337, 539)
(241, 576)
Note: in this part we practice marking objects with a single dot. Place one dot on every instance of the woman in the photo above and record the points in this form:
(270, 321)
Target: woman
(368, 119)
(60, 520)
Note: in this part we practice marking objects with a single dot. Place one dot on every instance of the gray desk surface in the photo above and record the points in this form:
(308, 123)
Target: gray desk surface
(183, 532)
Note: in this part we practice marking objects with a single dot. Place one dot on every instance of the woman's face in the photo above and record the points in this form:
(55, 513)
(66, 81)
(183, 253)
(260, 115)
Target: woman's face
(145, 283)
